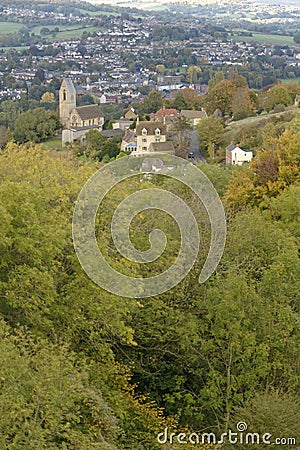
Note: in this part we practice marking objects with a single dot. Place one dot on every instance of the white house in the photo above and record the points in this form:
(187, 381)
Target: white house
(237, 156)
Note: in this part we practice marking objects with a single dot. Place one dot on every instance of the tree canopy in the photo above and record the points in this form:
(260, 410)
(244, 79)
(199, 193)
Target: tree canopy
(82, 368)
(36, 125)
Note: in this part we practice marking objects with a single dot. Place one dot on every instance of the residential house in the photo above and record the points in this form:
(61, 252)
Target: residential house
(218, 113)
(194, 117)
(162, 147)
(122, 124)
(148, 133)
(129, 141)
(113, 133)
(130, 114)
(237, 156)
(169, 82)
(165, 114)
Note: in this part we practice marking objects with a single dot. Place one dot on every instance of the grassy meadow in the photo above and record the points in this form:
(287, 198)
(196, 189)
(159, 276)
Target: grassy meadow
(10, 27)
(266, 39)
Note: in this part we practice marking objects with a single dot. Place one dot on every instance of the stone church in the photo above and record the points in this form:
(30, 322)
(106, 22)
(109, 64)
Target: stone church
(79, 120)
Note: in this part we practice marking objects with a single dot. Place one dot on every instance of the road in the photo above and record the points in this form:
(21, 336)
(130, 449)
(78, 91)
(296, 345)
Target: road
(195, 148)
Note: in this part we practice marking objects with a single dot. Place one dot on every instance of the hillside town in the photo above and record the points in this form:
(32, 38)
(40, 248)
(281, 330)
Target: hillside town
(123, 67)
(125, 58)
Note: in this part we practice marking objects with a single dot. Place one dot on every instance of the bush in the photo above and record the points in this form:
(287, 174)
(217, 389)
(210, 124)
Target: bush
(269, 412)
(279, 108)
(240, 115)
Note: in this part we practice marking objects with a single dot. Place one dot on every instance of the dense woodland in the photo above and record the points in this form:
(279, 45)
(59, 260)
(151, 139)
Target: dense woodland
(84, 369)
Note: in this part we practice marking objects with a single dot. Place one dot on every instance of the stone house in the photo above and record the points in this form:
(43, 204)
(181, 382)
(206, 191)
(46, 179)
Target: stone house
(148, 133)
(194, 117)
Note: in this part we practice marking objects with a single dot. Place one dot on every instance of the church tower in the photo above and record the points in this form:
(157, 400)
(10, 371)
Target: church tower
(67, 101)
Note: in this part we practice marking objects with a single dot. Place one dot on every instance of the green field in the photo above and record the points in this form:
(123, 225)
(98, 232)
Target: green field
(65, 31)
(10, 27)
(24, 47)
(37, 29)
(76, 33)
(52, 144)
(266, 39)
(106, 13)
(261, 117)
(290, 80)
(98, 13)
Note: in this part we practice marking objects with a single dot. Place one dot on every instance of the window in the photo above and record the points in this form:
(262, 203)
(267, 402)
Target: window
(64, 95)
(157, 139)
(144, 132)
(144, 140)
(144, 148)
(157, 131)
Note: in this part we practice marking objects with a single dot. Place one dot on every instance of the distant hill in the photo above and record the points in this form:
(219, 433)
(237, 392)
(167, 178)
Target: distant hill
(157, 4)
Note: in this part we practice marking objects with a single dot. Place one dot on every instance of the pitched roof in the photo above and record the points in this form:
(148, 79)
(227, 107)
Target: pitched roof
(165, 112)
(70, 86)
(112, 133)
(162, 147)
(231, 147)
(191, 114)
(87, 127)
(218, 113)
(129, 136)
(89, 112)
(130, 114)
(124, 121)
(150, 127)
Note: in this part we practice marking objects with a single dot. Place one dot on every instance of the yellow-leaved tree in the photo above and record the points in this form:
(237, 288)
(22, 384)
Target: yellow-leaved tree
(275, 167)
